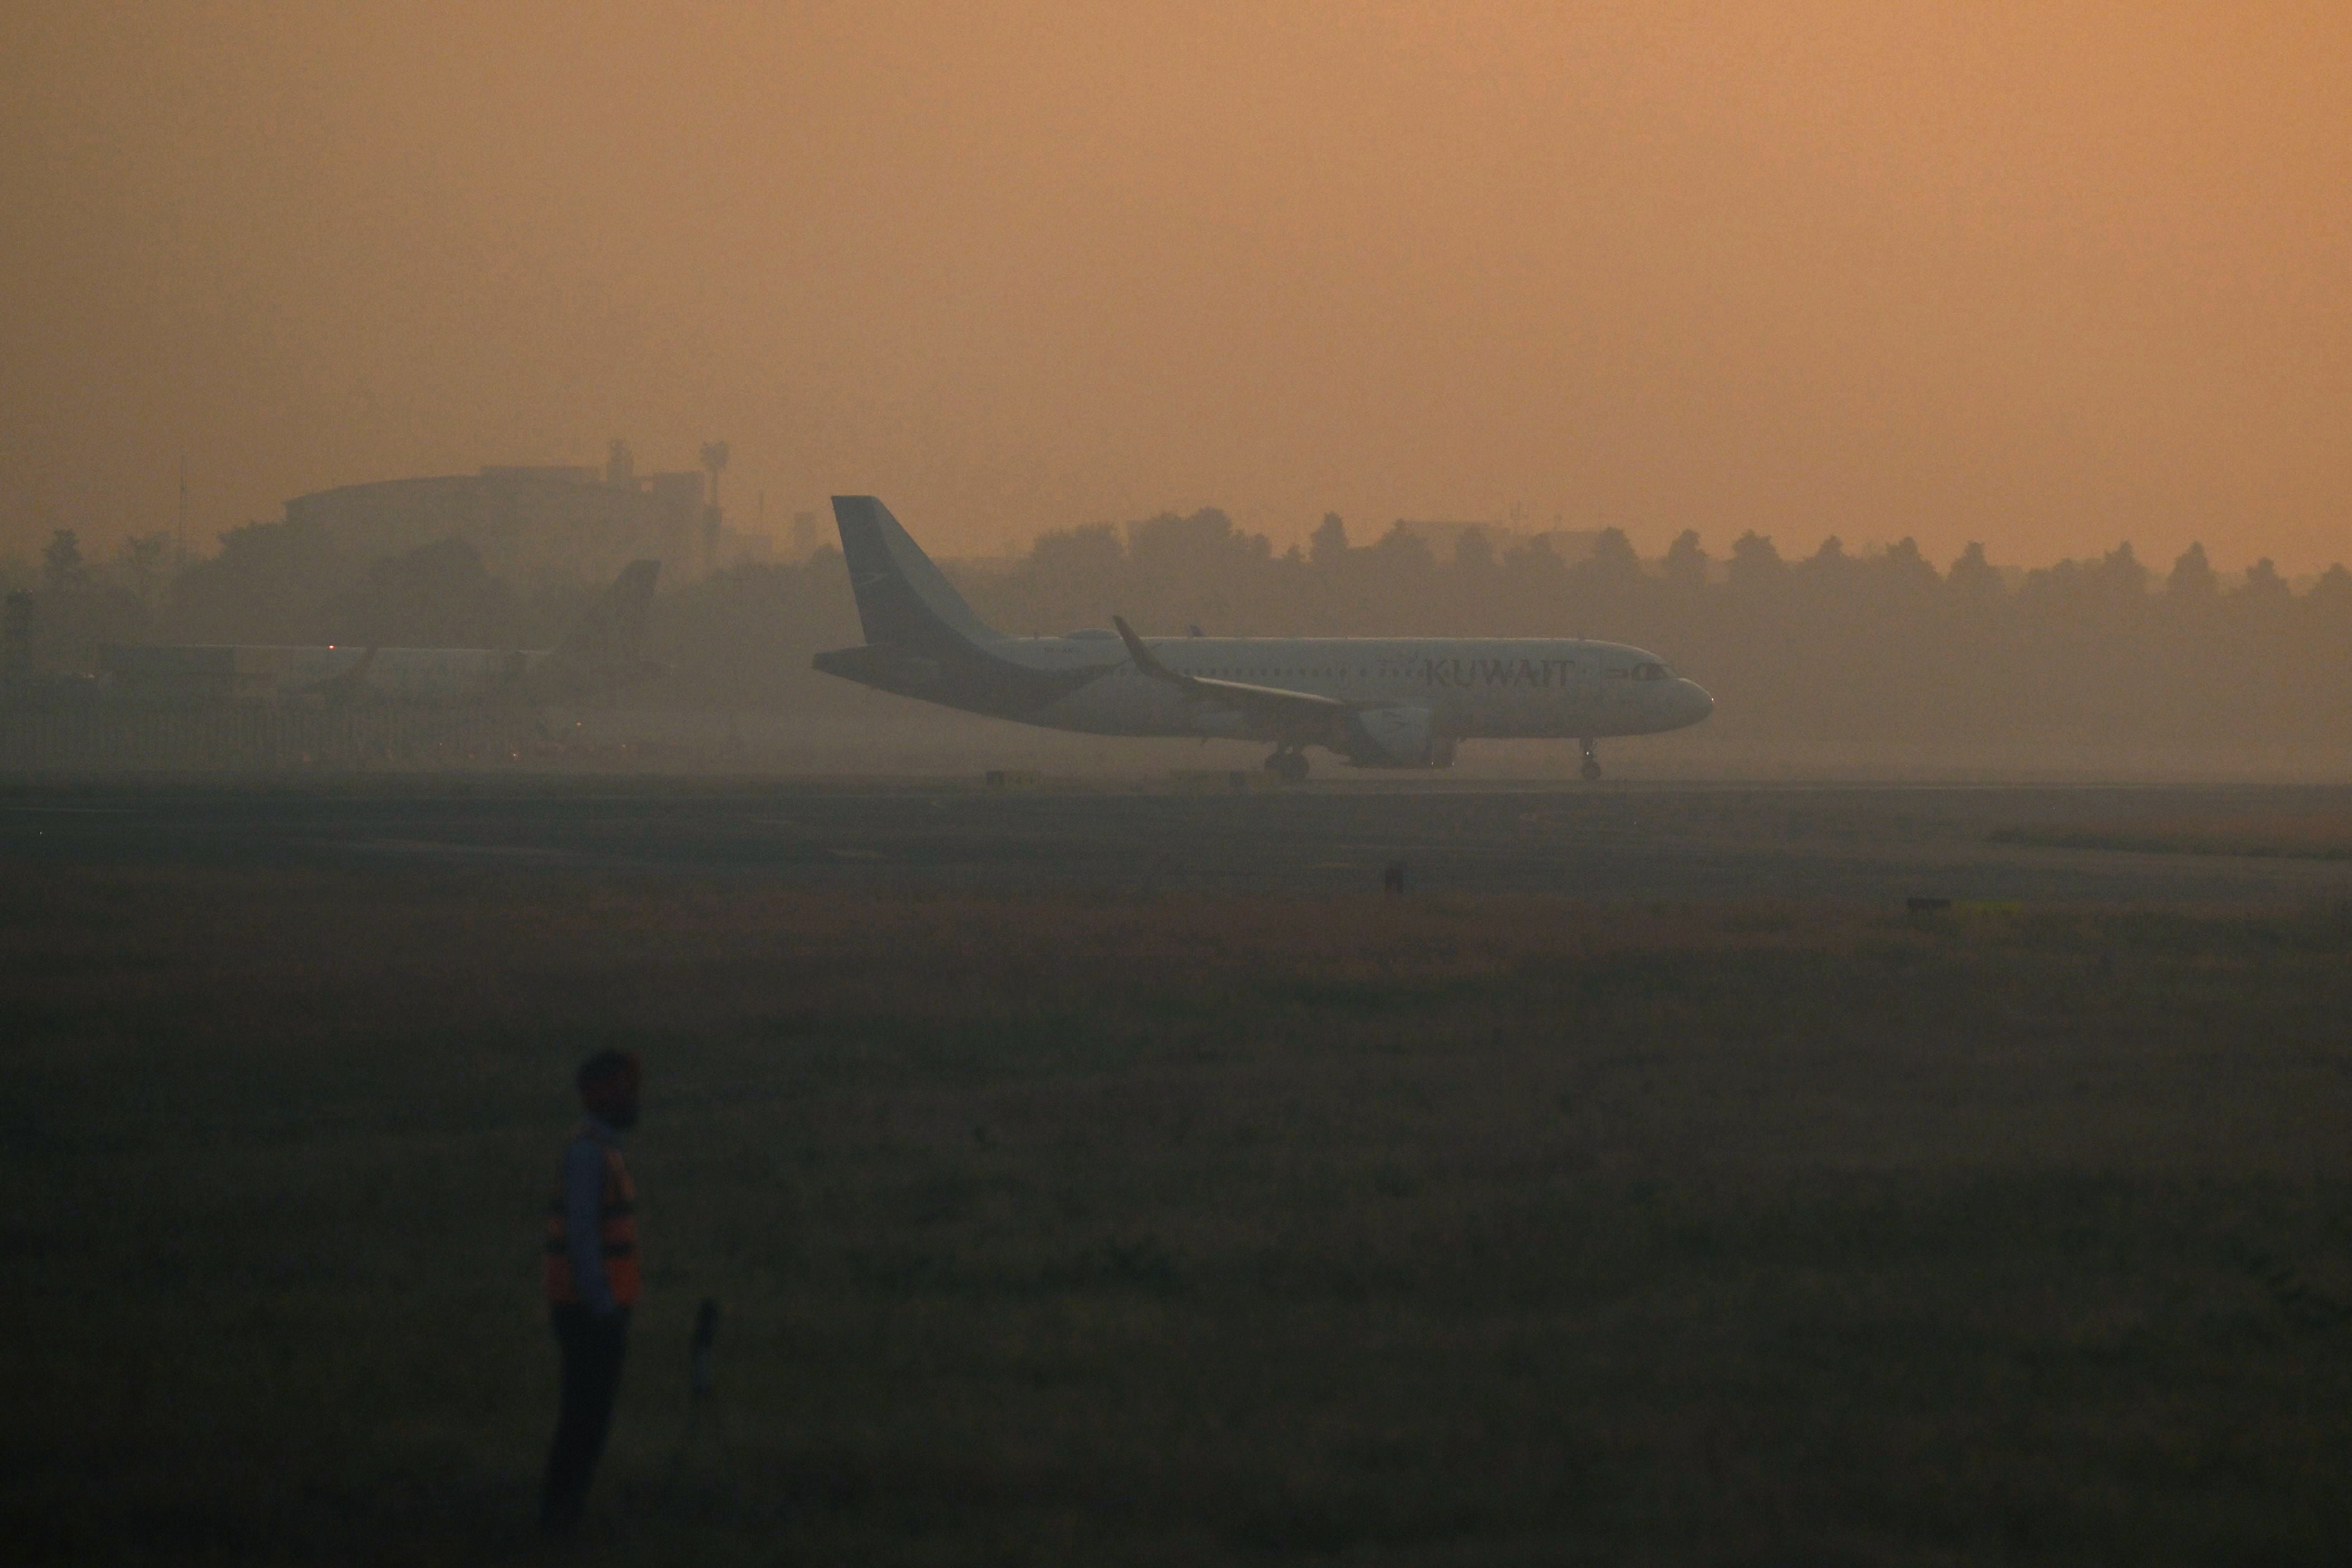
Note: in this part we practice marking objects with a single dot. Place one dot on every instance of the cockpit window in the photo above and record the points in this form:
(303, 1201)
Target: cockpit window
(1652, 671)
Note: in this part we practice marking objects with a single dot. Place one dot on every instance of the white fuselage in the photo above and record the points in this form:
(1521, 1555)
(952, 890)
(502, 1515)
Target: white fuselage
(440, 676)
(1474, 689)
(600, 652)
(293, 675)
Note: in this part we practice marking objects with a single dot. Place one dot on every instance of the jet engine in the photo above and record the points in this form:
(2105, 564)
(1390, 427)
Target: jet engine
(1396, 738)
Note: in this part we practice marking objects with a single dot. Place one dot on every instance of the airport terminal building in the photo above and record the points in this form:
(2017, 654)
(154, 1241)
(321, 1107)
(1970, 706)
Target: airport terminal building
(529, 523)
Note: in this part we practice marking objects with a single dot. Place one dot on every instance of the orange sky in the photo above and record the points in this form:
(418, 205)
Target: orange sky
(2046, 275)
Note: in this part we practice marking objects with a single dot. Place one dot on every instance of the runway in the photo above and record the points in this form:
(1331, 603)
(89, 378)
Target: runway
(1630, 842)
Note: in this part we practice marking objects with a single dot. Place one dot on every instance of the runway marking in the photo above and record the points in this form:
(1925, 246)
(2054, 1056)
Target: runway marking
(430, 847)
(70, 811)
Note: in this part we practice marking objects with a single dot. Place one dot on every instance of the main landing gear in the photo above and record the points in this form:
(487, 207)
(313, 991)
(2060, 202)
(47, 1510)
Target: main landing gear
(1592, 769)
(1288, 764)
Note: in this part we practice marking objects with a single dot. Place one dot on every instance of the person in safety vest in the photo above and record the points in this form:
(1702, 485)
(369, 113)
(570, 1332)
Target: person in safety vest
(592, 1279)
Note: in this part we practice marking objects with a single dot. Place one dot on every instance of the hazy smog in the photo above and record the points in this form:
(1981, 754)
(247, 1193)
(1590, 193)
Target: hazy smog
(2046, 277)
(1439, 783)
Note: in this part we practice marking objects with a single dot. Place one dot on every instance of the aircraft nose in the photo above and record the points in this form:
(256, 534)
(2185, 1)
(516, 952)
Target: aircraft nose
(1695, 702)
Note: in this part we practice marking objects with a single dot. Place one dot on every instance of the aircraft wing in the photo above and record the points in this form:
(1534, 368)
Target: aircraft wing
(1276, 703)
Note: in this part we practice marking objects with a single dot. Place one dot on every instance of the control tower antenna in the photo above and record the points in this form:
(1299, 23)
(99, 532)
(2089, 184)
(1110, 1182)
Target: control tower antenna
(714, 457)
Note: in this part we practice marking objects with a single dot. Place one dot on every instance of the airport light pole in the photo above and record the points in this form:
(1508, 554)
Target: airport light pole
(714, 458)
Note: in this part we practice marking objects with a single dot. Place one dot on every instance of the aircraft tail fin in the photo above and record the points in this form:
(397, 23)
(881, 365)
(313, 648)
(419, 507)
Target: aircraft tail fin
(605, 650)
(613, 632)
(902, 599)
(347, 687)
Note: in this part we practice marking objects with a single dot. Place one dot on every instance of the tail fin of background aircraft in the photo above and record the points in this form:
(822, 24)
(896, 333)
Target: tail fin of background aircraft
(605, 650)
(902, 598)
(613, 632)
(347, 687)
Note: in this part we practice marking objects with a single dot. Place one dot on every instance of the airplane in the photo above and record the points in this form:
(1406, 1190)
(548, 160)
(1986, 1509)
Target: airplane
(1376, 702)
(600, 653)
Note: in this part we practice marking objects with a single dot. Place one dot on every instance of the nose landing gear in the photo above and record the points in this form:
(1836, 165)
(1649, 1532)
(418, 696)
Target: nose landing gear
(1288, 764)
(1591, 769)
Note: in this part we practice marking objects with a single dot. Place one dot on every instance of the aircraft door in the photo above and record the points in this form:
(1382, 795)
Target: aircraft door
(1584, 692)
(1616, 682)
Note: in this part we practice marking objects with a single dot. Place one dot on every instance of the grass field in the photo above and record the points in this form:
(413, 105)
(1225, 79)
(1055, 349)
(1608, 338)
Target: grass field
(1068, 1229)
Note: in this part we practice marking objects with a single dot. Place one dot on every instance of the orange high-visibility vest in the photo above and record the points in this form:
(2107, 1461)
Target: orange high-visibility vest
(617, 1226)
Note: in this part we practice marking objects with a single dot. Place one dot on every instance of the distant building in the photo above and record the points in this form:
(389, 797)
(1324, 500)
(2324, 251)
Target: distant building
(737, 548)
(527, 523)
